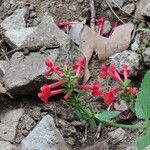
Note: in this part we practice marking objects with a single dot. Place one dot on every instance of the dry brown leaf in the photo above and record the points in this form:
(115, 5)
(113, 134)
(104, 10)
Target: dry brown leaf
(104, 47)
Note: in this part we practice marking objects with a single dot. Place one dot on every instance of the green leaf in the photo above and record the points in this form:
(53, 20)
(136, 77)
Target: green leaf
(142, 104)
(106, 115)
(143, 141)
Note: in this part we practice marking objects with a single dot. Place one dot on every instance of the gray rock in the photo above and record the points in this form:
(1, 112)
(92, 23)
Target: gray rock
(9, 124)
(141, 9)
(129, 9)
(29, 122)
(45, 136)
(5, 145)
(32, 37)
(146, 11)
(3, 66)
(16, 38)
(131, 59)
(26, 74)
(116, 3)
(146, 54)
(15, 21)
(106, 29)
(117, 135)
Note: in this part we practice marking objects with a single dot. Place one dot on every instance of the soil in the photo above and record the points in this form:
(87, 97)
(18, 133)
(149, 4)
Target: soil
(72, 129)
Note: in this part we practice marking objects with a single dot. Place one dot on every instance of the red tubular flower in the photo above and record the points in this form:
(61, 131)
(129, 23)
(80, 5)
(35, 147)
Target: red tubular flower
(79, 66)
(67, 96)
(125, 71)
(104, 71)
(109, 96)
(52, 68)
(64, 23)
(94, 87)
(113, 73)
(100, 22)
(113, 28)
(133, 90)
(46, 93)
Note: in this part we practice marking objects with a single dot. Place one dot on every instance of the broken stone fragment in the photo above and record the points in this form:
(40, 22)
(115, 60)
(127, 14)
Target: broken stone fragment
(45, 136)
(15, 21)
(142, 10)
(131, 59)
(9, 124)
(5, 145)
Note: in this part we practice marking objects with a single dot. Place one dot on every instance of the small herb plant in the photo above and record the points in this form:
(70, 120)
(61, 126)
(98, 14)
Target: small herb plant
(122, 93)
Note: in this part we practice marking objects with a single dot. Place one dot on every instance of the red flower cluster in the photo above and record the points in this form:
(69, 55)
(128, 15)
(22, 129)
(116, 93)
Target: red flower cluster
(46, 90)
(111, 71)
(109, 96)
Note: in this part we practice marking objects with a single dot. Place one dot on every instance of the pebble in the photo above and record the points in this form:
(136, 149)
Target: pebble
(129, 9)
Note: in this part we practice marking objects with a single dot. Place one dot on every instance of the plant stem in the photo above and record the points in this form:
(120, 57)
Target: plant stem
(125, 125)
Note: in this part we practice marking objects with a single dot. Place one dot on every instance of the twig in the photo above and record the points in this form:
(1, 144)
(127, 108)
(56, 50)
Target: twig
(114, 12)
(85, 134)
(93, 14)
(4, 54)
(98, 132)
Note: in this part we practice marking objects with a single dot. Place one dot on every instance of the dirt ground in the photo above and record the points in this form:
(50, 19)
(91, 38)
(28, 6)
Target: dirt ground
(72, 129)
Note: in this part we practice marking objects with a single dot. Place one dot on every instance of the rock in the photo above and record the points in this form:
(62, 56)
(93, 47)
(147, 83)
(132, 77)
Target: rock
(117, 135)
(70, 141)
(29, 122)
(141, 9)
(146, 11)
(3, 66)
(5, 145)
(9, 124)
(107, 27)
(136, 43)
(33, 14)
(131, 59)
(23, 78)
(103, 145)
(45, 136)
(116, 3)
(129, 9)
(32, 37)
(146, 55)
(15, 21)
(15, 38)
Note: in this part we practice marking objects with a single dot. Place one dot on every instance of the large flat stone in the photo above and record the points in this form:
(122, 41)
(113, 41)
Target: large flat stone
(15, 21)
(45, 136)
(9, 123)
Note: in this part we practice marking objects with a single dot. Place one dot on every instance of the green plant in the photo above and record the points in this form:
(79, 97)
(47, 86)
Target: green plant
(74, 94)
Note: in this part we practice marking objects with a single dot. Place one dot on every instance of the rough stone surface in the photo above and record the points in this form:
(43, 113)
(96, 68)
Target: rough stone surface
(129, 8)
(9, 123)
(131, 59)
(146, 54)
(117, 135)
(15, 21)
(45, 34)
(141, 8)
(25, 74)
(118, 2)
(146, 11)
(29, 122)
(3, 66)
(4, 145)
(45, 136)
